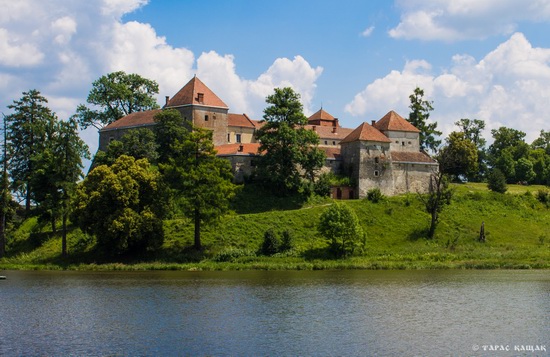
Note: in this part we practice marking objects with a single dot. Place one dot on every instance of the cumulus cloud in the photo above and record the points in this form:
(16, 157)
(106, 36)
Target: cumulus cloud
(15, 53)
(455, 20)
(368, 31)
(508, 87)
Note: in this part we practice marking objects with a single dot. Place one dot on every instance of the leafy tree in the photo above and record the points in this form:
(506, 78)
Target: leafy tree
(138, 143)
(542, 142)
(472, 129)
(459, 156)
(419, 115)
(116, 95)
(201, 181)
(340, 227)
(123, 206)
(170, 128)
(59, 167)
(291, 152)
(28, 130)
(5, 196)
(439, 195)
(496, 181)
(524, 170)
(541, 166)
(271, 243)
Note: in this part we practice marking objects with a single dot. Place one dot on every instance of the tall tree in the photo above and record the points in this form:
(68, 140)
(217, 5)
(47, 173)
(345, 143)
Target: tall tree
(472, 129)
(439, 195)
(28, 129)
(201, 181)
(419, 115)
(507, 148)
(59, 167)
(170, 128)
(5, 196)
(115, 95)
(459, 156)
(542, 142)
(290, 151)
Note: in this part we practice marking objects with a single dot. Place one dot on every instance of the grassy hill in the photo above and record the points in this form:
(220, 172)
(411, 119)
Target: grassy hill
(517, 228)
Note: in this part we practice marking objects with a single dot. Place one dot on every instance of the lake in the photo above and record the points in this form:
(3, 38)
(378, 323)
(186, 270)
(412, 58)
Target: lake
(253, 313)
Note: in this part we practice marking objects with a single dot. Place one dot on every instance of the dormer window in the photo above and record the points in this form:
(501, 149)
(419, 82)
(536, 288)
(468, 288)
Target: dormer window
(200, 98)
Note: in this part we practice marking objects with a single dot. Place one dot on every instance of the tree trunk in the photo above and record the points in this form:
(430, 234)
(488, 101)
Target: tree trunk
(54, 227)
(64, 236)
(198, 245)
(433, 224)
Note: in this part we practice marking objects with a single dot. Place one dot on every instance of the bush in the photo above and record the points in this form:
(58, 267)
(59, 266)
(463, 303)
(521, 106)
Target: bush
(496, 181)
(287, 241)
(543, 196)
(271, 243)
(375, 195)
(340, 227)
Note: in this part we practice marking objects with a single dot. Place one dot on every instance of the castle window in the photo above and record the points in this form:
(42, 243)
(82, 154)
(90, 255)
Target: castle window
(200, 97)
(326, 142)
(238, 138)
(334, 143)
(402, 143)
(229, 137)
(376, 173)
(376, 160)
(111, 138)
(206, 118)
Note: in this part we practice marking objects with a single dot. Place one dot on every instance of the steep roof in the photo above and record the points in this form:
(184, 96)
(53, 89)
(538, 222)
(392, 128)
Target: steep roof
(321, 115)
(394, 122)
(366, 132)
(240, 120)
(135, 119)
(190, 95)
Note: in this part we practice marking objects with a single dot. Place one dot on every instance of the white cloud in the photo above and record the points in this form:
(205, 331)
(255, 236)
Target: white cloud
(65, 27)
(368, 31)
(16, 54)
(455, 20)
(509, 87)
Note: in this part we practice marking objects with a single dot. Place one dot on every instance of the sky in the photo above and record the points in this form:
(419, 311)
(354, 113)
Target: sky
(477, 59)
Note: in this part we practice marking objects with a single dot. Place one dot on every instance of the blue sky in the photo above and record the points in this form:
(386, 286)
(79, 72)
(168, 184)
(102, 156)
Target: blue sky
(484, 59)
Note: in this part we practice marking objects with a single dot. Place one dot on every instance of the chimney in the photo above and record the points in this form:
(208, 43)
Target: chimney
(167, 100)
(373, 122)
(336, 122)
(241, 148)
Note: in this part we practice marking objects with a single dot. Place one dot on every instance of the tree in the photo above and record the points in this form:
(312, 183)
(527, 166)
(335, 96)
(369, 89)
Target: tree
(419, 115)
(201, 181)
(542, 142)
(123, 206)
(58, 168)
(439, 195)
(472, 129)
(170, 129)
(138, 143)
(290, 151)
(524, 170)
(5, 195)
(459, 156)
(116, 95)
(508, 147)
(340, 227)
(496, 181)
(28, 130)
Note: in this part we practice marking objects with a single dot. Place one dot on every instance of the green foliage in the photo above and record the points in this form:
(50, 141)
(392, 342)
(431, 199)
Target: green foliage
(524, 170)
(291, 152)
(472, 129)
(201, 181)
(419, 115)
(326, 180)
(170, 129)
(287, 241)
(375, 195)
(439, 195)
(123, 206)
(508, 147)
(459, 156)
(543, 196)
(496, 181)
(115, 95)
(271, 243)
(339, 225)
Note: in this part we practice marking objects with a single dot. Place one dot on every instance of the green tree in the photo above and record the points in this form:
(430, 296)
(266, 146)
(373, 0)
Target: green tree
(170, 128)
(419, 115)
(340, 226)
(116, 95)
(291, 152)
(123, 205)
(459, 156)
(28, 131)
(472, 129)
(524, 170)
(542, 142)
(5, 195)
(138, 143)
(201, 181)
(58, 169)
(496, 181)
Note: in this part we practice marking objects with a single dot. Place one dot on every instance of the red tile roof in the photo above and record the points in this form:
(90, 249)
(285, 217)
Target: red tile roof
(326, 132)
(403, 156)
(366, 132)
(190, 94)
(240, 120)
(135, 119)
(332, 153)
(233, 149)
(394, 122)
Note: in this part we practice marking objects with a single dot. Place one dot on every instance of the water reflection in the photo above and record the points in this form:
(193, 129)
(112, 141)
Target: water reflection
(429, 313)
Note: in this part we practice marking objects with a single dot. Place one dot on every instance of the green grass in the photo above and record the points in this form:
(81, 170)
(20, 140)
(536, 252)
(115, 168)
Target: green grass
(517, 228)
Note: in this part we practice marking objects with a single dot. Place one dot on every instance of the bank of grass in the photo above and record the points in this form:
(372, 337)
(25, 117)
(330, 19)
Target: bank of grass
(517, 228)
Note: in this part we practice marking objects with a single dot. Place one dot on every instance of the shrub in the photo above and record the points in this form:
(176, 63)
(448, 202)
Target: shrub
(340, 227)
(375, 195)
(287, 241)
(543, 196)
(496, 181)
(271, 243)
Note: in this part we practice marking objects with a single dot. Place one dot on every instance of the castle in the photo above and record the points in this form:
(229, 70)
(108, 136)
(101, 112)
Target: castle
(384, 154)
